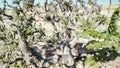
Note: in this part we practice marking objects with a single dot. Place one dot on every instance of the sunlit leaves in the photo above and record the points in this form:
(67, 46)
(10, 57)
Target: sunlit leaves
(99, 45)
(92, 63)
(66, 22)
(112, 29)
(95, 34)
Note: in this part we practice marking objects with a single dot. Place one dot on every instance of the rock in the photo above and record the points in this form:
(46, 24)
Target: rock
(43, 53)
(54, 66)
(79, 64)
(53, 59)
(46, 65)
(50, 52)
(63, 66)
(74, 52)
(58, 52)
(40, 45)
(78, 45)
(66, 50)
(62, 48)
(5, 66)
(82, 40)
(73, 42)
(102, 28)
(67, 59)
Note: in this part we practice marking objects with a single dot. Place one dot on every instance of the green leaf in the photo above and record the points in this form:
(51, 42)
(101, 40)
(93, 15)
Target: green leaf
(95, 34)
(99, 45)
(92, 63)
(90, 60)
(112, 29)
(66, 22)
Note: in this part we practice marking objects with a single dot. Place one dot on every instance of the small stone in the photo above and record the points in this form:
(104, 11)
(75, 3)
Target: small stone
(73, 42)
(79, 64)
(62, 48)
(54, 66)
(53, 59)
(78, 45)
(40, 45)
(46, 64)
(67, 59)
(82, 40)
(74, 52)
(66, 50)
(63, 66)
(43, 53)
(102, 28)
(58, 52)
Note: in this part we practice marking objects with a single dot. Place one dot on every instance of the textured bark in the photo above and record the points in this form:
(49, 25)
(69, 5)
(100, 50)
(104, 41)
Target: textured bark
(45, 5)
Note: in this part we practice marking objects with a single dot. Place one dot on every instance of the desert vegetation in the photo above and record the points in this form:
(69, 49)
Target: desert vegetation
(59, 34)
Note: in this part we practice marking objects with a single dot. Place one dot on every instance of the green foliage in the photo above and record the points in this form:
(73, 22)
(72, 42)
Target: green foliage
(20, 64)
(108, 38)
(102, 19)
(101, 56)
(95, 34)
(88, 24)
(109, 48)
(92, 63)
(6, 35)
(112, 29)
(99, 45)
(66, 22)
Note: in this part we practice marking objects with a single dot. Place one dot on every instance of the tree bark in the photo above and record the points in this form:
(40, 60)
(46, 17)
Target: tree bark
(45, 5)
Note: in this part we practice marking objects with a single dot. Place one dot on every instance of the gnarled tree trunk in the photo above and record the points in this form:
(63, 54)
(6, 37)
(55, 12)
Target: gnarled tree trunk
(45, 5)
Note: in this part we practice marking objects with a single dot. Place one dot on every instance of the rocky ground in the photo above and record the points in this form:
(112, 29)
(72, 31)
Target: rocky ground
(67, 53)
